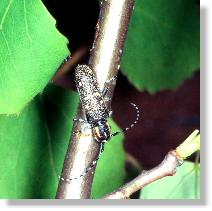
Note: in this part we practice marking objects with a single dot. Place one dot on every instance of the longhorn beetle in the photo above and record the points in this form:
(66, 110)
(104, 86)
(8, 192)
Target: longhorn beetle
(96, 112)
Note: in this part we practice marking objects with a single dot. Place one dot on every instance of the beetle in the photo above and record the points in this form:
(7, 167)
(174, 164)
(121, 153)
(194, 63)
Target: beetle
(95, 108)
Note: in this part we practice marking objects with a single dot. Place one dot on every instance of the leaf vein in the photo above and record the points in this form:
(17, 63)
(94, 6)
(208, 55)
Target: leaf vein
(10, 55)
(28, 35)
(4, 91)
(5, 14)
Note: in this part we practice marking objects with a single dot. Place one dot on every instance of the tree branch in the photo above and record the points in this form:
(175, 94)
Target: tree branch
(167, 168)
(104, 60)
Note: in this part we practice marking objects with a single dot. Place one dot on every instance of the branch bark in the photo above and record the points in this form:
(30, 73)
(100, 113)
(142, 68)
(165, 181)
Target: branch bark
(104, 59)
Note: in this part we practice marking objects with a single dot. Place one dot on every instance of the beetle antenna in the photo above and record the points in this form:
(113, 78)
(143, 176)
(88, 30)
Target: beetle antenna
(133, 124)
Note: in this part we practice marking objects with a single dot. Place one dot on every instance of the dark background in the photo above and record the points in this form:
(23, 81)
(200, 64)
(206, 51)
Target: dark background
(167, 117)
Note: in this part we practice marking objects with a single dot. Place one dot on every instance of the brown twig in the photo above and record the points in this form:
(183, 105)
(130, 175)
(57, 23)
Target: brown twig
(104, 60)
(166, 168)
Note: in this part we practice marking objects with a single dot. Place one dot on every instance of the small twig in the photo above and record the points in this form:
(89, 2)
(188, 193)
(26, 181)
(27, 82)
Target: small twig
(167, 168)
(130, 159)
(70, 63)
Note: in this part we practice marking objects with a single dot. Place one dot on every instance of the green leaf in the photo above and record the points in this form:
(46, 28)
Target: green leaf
(110, 171)
(185, 184)
(31, 51)
(162, 47)
(33, 146)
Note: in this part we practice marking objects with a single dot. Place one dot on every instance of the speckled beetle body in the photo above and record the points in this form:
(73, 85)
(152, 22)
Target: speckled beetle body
(92, 102)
